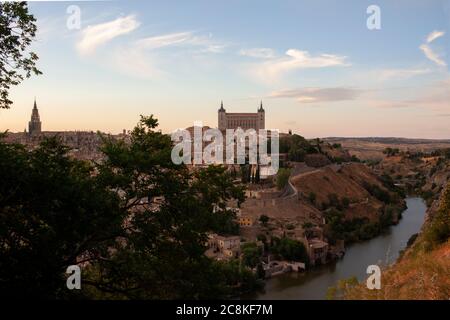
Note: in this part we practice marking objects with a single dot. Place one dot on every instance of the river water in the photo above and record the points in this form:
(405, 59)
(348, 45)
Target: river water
(382, 250)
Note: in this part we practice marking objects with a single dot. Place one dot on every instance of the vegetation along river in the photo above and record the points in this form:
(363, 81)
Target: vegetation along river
(382, 250)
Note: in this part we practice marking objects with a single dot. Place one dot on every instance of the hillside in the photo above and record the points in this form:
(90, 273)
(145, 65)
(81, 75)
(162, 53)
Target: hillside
(346, 202)
(425, 275)
(372, 148)
(424, 174)
(341, 184)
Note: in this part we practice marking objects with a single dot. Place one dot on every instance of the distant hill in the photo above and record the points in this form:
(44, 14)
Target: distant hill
(389, 140)
(371, 148)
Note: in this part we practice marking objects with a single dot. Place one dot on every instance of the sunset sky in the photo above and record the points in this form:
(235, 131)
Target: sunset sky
(315, 65)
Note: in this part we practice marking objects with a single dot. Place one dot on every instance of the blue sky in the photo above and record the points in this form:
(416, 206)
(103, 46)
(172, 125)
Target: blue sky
(317, 67)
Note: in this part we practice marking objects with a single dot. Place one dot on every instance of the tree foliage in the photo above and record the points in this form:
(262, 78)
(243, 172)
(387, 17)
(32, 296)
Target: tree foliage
(136, 223)
(52, 214)
(264, 219)
(290, 249)
(282, 178)
(17, 62)
(438, 230)
(296, 147)
(251, 254)
(162, 254)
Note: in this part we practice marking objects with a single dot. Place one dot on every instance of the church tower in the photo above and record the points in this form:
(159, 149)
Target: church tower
(34, 126)
(222, 117)
(261, 117)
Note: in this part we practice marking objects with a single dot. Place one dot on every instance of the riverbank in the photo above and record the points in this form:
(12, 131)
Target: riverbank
(422, 272)
(382, 250)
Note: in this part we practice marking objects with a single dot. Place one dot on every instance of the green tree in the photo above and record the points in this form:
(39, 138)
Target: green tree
(53, 213)
(261, 274)
(296, 147)
(138, 220)
(245, 173)
(17, 31)
(239, 278)
(345, 202)
(307, 227)
(264, 219)
(291, 249)
(312, 197)
(377, 192)
(162, 256)
(283, 177)
(251, 254)
(438, 230)
(333, 200)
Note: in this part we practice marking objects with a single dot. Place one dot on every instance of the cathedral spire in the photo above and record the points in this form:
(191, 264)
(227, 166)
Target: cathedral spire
(261, 109)
(34, 126)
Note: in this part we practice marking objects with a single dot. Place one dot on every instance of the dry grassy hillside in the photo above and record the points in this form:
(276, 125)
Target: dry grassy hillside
(347, 202)
(342, 182)
(425, 275)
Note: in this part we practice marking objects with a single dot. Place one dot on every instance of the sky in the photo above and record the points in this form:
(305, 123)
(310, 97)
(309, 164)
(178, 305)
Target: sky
(317, 67)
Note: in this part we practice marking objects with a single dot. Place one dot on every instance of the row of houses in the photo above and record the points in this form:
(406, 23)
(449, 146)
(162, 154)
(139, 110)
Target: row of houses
(223, 247)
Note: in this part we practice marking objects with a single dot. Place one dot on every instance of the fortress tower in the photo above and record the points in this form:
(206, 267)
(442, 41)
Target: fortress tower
(241, 120)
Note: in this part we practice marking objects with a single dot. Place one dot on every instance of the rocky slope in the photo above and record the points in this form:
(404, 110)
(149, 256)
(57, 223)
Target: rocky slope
(347, 201)
(337, 183)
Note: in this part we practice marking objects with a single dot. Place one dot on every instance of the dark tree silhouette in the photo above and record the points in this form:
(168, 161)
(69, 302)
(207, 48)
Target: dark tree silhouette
(17, 31)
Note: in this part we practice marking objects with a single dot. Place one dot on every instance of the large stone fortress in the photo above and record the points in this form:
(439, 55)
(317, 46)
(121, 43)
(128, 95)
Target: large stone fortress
(241, 120)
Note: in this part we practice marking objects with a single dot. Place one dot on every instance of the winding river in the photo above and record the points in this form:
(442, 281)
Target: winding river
(382, 250)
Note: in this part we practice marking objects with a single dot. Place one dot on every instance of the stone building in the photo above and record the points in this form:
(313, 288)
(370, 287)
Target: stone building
(241, 120)
(317, 251)
(83, 144)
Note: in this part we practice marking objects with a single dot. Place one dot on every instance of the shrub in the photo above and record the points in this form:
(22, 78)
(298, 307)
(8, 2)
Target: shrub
(345, 202)
(264, 219)
(251, 254)
(439, 228)
(312, 197)
(290, 249)
(333, 199)
(378, 193)
(283, 177)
